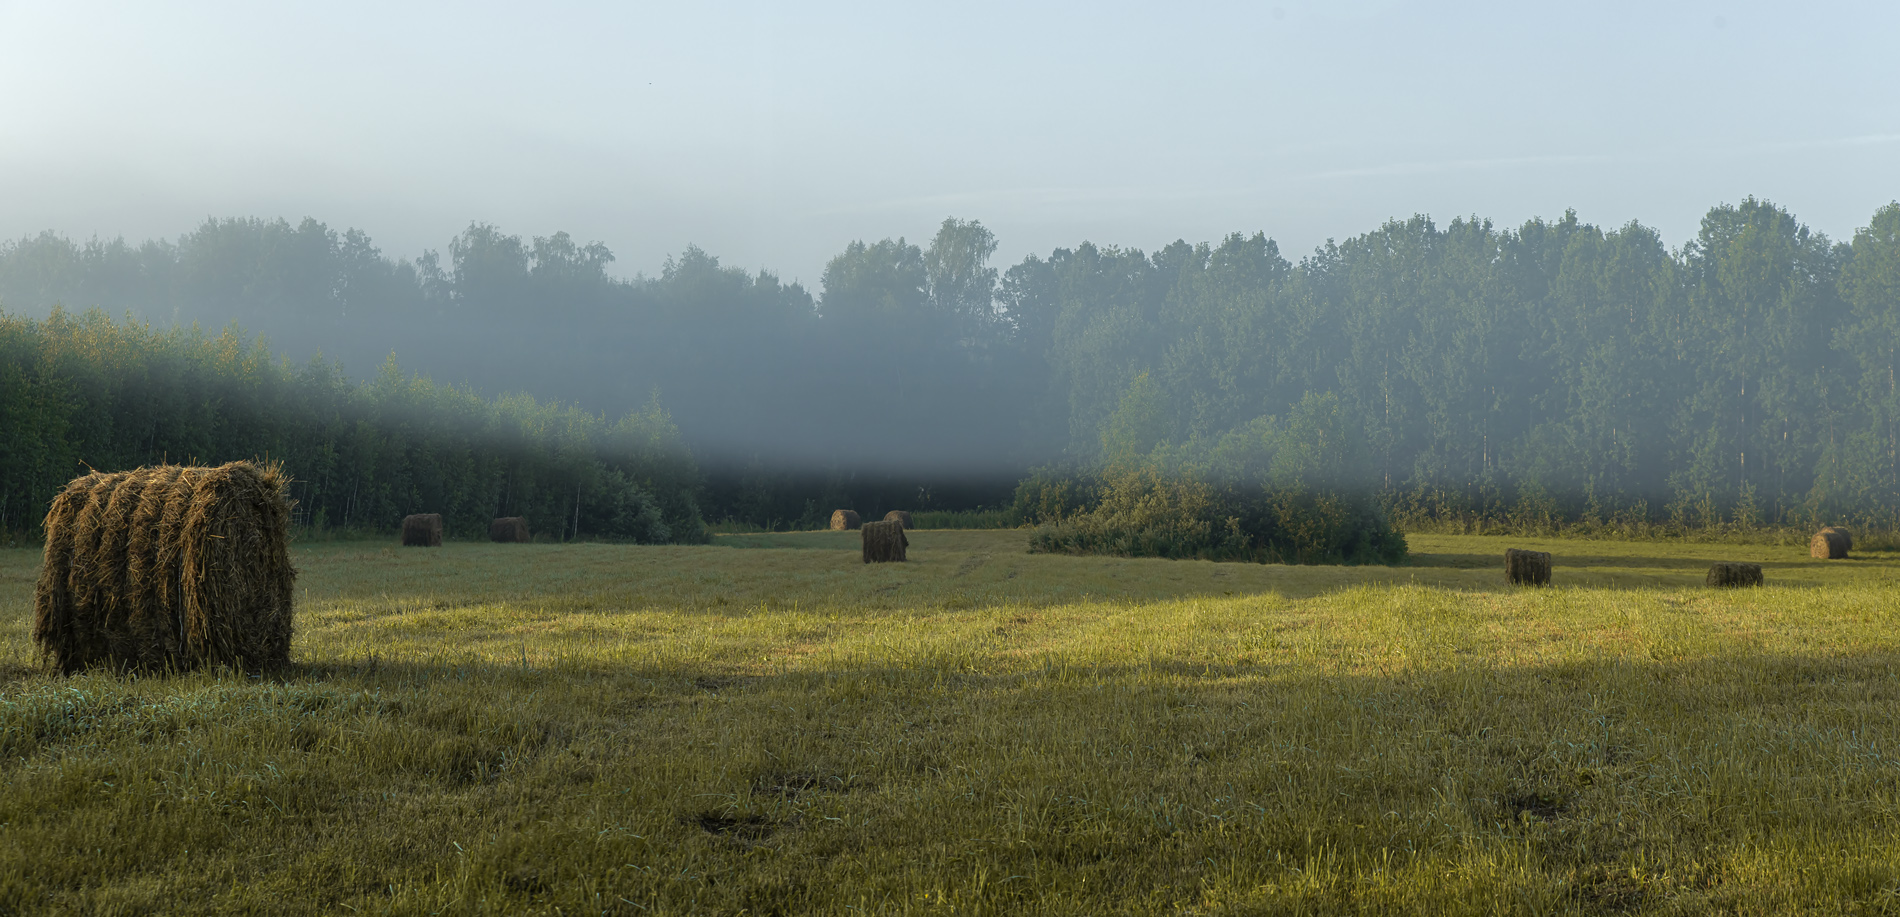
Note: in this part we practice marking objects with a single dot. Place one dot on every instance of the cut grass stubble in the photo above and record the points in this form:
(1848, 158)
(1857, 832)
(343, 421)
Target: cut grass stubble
(613, 729)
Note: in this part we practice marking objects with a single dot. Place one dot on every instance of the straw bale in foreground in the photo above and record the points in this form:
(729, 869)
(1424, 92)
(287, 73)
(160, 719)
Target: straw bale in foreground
(168, 567)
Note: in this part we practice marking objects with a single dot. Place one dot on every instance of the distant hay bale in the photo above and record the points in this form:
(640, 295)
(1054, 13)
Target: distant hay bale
(1830, 544)
(1847, 537)
(168, 567)
(1734, 574)
(507, 529)
(844, 520)
(1527, 568)
(884, 542)
(422, 530)
(901, 516)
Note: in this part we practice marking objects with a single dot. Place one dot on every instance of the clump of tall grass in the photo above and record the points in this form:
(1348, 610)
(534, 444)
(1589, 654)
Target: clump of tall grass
(1007, 517)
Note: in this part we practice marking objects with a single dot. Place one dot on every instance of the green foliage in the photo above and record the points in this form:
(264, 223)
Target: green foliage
(962, 284)
(1746, 379)
(1146, 512)
(882, 282)
(1143, 513)
(1274, 490)
(78, 392)
(1004, 518)
(1051, 494)
(1138, 425)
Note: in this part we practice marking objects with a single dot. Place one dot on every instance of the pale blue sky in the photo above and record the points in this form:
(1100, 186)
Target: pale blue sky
(773, 134)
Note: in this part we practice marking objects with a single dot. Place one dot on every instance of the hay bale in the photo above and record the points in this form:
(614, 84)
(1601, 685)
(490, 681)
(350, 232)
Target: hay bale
(422, 530)
(1846, 537)
(1527, 568)
(1734, 574)
(168, 568)
(901, 516)
(1830, 544)
(844, 520)
(507, 530)
(884, 542)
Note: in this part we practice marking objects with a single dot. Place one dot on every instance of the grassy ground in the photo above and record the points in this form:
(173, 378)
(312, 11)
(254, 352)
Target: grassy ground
(768, 726)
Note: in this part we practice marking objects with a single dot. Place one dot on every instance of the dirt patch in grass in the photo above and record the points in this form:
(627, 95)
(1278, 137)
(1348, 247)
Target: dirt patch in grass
(744, 828)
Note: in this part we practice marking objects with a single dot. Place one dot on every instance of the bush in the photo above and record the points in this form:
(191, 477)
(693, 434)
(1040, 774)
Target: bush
(1293, 489)
(1143, 512)
(1052, 495)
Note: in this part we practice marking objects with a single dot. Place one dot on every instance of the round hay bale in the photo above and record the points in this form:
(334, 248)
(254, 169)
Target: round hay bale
(1734, 574)
(844, 520)
(422, 530)
(1846, 536)
(507, 530)
(1527, 568)
(168, 567)
(884, 542)
(1829, 544)
(901, 516)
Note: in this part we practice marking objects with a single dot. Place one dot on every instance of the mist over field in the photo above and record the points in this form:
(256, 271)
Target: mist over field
(1476, 262)
(1555, 367)
(1363, 456)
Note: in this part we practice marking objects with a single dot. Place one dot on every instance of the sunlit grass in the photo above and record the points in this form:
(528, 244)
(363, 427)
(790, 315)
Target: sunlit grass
(769, 725)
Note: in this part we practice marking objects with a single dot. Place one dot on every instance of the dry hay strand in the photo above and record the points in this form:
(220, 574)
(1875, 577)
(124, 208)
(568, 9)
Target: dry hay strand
(884, 542)
(844, 520)
(900, 516)
(1734, 574)
(1527, 568)
(168, 567)
(507, 529)
(422, 530)
(1830, 543)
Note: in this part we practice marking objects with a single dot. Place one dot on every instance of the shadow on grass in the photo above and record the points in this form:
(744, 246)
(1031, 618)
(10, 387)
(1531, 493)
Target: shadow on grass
(1585, 562)
(1632, 780)
(818, 540)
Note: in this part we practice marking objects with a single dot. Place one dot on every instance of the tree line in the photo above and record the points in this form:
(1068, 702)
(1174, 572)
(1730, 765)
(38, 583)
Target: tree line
(89, 392)
(1557, 367)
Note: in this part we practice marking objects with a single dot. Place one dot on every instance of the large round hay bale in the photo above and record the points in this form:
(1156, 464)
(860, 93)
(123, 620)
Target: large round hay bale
(168, 567)
(1847, 538)
(422, 530)
(1829, 544)
(1734, 574)
(901, 516)
(1527, 568)
(844, 520)
(884, 542)
(507, 530)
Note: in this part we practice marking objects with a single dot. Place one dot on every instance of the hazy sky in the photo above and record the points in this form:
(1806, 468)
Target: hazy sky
(773, 134)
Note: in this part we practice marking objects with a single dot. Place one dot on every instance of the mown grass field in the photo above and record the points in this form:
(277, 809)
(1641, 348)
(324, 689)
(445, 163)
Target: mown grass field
(767, 726)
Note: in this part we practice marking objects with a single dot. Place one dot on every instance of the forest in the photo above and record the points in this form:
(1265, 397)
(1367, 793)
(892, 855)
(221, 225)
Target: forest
(1456, 372)
(88, 392)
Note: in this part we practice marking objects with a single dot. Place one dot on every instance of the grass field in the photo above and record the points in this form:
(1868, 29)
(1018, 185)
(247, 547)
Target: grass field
(767, 726)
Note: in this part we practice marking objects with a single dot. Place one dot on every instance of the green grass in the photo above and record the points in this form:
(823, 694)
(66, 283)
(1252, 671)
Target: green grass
(765, 725)
(1005, 518)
